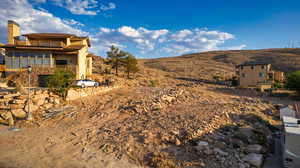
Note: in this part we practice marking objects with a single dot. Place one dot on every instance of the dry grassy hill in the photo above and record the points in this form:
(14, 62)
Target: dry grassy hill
(206, 65)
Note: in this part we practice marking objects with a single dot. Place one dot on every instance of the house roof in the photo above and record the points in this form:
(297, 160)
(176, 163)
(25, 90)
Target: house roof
(91, 55)
(81, 38)
(74, 47)
(48, 35)
(13, 22)
(68, 48)
(253, 63)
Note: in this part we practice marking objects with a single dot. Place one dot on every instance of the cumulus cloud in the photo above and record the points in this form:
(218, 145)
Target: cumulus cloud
(83, 7)
(79, 7)
(110, 6)
(172, 42)
(73, 22)
(142, 38)
(33, 20)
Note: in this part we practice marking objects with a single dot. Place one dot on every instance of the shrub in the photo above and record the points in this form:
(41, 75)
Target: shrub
(293, 81)
(61, 81)
(277, 84)
(154, 83)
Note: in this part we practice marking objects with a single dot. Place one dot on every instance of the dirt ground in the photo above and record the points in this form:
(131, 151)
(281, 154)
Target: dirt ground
(134, 127)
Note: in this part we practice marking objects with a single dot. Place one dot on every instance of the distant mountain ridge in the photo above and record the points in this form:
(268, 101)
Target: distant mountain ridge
(208, 64)
(283, 59)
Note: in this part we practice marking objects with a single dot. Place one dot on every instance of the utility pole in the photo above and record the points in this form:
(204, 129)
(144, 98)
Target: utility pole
(29, 115)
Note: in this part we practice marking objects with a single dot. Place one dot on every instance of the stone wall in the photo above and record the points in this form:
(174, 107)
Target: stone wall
(14, 105)
(74, 94)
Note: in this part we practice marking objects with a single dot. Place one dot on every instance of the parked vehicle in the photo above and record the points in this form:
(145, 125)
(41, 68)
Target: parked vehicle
(86, 83)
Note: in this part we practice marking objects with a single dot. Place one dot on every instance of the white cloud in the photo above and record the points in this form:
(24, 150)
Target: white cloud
(73, 22)
(129, 31)
(39, 1)
(110, 6)
(162, 40)
(195, 40)
(143, 39)
(33, 20)
(239, 47)
(79, 7)
(83, 7)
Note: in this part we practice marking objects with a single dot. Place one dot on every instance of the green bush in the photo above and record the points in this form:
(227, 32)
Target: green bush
(277, 84)
(154, 83)
(293, 81)
(61, 81)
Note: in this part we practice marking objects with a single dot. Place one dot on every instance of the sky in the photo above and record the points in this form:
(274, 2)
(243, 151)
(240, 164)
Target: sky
(161, 28)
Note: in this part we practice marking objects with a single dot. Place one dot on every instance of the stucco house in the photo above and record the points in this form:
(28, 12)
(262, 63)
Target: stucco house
(46, 50)
(257, 74)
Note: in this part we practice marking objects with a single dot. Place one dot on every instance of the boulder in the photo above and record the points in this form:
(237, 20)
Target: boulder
(254, 148)
(17, 106)
(56, 101)
(19, 113)
(202, 145)
(39, 99)
(7, 118)
(254, 159)
(32, 108)
(19, 101)
(47, 105)
(220, 152)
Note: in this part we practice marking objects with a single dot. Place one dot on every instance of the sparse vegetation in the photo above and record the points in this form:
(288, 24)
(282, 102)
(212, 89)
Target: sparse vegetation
(131, 65)
(154, 83)
(116, 58)
(277, 85)
(61, 81)
(293, 81)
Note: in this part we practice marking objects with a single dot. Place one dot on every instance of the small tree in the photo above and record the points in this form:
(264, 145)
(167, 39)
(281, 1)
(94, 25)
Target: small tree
(293, 81)
(116, 58)
(61, 81)
(131, 65)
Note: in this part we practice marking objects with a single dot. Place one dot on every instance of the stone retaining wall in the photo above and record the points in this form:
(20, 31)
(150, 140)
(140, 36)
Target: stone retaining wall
(14, 105)
(74, 94)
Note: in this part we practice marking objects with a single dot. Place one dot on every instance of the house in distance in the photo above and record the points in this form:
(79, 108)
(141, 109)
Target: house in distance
(257, 75)
(46, 51)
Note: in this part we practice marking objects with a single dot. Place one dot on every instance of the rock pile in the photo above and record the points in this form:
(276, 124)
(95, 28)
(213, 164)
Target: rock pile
(14, 105)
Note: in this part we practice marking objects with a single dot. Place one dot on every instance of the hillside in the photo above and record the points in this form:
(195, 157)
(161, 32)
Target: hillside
(207, 64)
(172, 122)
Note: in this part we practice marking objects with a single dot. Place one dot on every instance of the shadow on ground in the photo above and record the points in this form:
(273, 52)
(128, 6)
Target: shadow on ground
(227, 145)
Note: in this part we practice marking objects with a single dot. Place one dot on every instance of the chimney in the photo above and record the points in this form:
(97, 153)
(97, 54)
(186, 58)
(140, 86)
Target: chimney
(13, 30)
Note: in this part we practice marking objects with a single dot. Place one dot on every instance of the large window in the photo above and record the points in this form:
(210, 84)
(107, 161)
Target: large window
(23, 59)
(261, 74)
(61, 62)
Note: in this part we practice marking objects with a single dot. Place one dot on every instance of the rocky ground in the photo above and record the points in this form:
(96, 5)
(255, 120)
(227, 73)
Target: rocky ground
(172, 123)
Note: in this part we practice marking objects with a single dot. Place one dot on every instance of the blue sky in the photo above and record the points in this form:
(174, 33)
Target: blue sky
(159, 28)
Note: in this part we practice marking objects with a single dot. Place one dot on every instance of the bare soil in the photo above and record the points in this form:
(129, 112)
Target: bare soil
(139, 125)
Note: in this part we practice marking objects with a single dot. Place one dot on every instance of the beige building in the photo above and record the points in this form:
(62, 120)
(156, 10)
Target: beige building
(47, 50)
(252, 74)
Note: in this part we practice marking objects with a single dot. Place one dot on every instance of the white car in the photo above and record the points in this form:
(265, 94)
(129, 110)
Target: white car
(86, 82)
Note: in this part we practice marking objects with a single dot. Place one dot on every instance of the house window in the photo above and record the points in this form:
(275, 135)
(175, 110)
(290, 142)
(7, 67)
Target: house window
(261, 74)
(61, 62)
(252, 67)
(23, 59)
(44, 43)
(243, 75)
